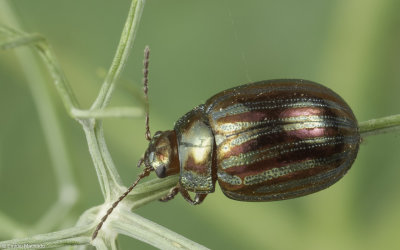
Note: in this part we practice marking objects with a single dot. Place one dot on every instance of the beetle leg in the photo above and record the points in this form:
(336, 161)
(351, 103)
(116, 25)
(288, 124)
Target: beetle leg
(199, 198)
(172, 192)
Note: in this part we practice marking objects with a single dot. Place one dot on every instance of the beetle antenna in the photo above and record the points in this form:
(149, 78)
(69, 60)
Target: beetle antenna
(145, 173)
(146, 90)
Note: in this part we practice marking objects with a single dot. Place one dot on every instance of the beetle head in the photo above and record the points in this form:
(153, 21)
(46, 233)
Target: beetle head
(162, 154)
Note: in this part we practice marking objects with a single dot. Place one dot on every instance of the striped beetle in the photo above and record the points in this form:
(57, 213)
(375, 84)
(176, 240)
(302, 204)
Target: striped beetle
(263, 141)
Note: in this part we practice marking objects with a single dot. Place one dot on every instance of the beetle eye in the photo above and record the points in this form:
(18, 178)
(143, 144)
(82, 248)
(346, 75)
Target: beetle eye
(161, 171)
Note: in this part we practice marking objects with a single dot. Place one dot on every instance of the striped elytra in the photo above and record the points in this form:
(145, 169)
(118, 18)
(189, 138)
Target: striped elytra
(263, 141)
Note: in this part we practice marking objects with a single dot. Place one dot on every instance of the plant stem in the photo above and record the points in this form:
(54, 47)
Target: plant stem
(103, 174)
(113, 178)
(118, 112)
(121, 55)
(380, 125)
(67, 237)
(147, 231)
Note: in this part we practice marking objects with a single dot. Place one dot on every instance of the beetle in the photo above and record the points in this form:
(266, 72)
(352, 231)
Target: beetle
(264, 141)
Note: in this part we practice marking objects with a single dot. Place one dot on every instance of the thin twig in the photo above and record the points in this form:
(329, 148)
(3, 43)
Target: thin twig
(380, 125)
(121, 55)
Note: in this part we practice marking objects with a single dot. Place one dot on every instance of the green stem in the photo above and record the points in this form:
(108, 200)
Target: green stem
(19, 39)
(50, 61)
(113, 179)
(147, 231)
(60, 81)
(107, 183)
(121, 55)
(118, 112)
(26, 39)
(67, 237)
(110, 181)
(380, 125)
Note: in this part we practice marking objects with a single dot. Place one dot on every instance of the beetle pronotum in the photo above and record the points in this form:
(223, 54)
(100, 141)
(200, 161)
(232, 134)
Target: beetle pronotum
(263, 141)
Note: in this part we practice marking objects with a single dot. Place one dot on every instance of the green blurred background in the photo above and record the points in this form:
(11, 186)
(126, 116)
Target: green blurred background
(198, 49)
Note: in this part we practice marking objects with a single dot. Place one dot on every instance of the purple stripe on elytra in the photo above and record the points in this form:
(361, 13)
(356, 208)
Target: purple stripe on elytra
(281, 149)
